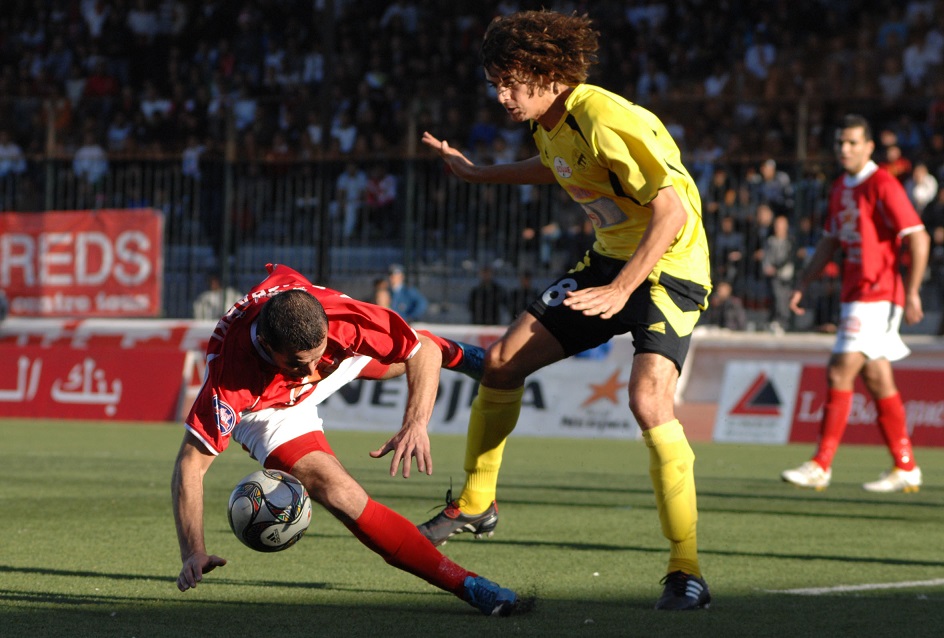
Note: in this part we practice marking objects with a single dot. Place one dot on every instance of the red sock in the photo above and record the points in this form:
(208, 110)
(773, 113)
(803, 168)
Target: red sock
(835, 416)
(451, 353)
(400, 544)
(894, 428)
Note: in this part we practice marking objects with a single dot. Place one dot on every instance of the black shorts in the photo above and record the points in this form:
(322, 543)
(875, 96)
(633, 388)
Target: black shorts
(661, 313)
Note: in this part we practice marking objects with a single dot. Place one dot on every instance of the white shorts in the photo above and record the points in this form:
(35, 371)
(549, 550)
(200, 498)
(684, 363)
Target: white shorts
(263, 431)
(871, 327)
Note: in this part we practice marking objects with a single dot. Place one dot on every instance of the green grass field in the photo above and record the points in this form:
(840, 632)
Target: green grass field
(87, 545)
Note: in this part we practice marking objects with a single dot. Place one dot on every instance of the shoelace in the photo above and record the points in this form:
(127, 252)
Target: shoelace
(678, 581)
(450, 504)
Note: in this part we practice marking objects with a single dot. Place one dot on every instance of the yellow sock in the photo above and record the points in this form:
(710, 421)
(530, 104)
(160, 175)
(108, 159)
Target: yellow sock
(671, 466)
(494, 416)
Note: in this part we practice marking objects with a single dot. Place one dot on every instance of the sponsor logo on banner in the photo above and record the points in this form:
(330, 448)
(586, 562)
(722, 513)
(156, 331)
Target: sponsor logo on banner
(586, 396)
(105, 263)
(920, 392)
(756, 403)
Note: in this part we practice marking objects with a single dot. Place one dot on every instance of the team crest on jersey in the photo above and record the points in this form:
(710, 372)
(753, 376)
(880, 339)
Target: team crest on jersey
(562, 167)
(225, 415)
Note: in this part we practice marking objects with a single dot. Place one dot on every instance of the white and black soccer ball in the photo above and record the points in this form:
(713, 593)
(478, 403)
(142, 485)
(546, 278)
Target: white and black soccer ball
(269, 510)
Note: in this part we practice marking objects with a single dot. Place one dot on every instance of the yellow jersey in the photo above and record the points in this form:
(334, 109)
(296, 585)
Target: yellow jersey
(613, 157)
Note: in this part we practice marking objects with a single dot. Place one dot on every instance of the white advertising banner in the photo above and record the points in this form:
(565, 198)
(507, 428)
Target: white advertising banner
(584, 396)
(756, 402)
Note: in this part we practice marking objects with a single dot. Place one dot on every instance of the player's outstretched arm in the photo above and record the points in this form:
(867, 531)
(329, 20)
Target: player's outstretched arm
(412, 440)
(187, 492)
(529, 171)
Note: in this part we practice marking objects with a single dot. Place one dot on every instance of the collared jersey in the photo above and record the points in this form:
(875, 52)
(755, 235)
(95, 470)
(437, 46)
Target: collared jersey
(869, 214)
(612, 157)
(240, 377)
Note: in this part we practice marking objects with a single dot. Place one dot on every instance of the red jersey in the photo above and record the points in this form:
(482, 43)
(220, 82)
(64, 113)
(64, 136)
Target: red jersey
(240, 377)
(869, 213)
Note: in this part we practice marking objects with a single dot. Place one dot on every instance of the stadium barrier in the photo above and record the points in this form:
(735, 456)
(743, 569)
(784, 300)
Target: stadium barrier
(736, 387)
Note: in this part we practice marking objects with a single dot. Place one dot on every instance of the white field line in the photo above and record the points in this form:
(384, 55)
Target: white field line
(839, 589)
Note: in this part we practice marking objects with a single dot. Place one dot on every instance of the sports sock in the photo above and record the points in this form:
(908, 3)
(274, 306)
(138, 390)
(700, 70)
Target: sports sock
(671, 467)
(893, 425)
(400, 544)
(494, 415)
(835, 416)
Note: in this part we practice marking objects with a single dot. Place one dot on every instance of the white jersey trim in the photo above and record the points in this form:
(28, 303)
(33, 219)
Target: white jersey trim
(209, 448)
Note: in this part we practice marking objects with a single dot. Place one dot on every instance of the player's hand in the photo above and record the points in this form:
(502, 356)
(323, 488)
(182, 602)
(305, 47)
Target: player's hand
(604, 301)
(408, 444)
(455, 160)
(195, 567)
(914, 312)
(795, 300)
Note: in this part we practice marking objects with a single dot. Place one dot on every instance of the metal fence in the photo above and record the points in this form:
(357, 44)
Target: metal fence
(232, 217)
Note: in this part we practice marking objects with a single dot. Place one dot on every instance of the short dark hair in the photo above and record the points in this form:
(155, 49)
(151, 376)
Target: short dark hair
(854, 120)
(293, 321)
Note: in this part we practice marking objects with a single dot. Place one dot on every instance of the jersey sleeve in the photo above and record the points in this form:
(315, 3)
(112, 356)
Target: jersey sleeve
(898, 211)
(371, 330)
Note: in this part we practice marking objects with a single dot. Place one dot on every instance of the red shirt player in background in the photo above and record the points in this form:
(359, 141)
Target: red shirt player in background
(870, 217)
(278, 353)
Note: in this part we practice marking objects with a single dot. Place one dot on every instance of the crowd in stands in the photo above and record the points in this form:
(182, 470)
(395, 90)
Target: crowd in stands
(750, 90)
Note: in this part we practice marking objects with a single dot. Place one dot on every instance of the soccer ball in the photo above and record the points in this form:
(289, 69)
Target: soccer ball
(269, 510)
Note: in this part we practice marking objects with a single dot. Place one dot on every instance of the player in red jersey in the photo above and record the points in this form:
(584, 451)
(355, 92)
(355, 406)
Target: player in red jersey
(870, 217)
(279, 352)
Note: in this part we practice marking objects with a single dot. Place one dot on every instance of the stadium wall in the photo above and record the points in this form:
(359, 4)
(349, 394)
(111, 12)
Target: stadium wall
(736, 387)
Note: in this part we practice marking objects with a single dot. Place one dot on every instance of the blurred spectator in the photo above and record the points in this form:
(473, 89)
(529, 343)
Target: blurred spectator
(760, 56)
(936, 273)
(921, 186)
(896, 163)
(381, 198)
(725, 310)
(12, 160)
(381, 295)
(760, 227)
(4, 305)
(728, 253)
(213, 302)
(933, 213)
(486, 299)
(773, 188)
(919, 58)
(349, 192)
(778, 266)
(406, 300)
(718, 198)
(343, 134)
(90, 161)
(892, 81)
(520, 297)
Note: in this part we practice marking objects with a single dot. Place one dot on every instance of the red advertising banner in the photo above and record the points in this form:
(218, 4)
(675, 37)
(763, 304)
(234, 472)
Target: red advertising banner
(920, 390)
(103, 263)
(103, 369)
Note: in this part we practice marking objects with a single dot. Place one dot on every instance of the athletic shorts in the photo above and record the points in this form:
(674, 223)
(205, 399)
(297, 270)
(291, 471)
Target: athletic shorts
(871, 327)
(661, 313)
(278, 437)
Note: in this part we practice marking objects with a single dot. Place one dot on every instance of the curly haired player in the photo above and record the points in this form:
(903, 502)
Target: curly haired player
(647, 273)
